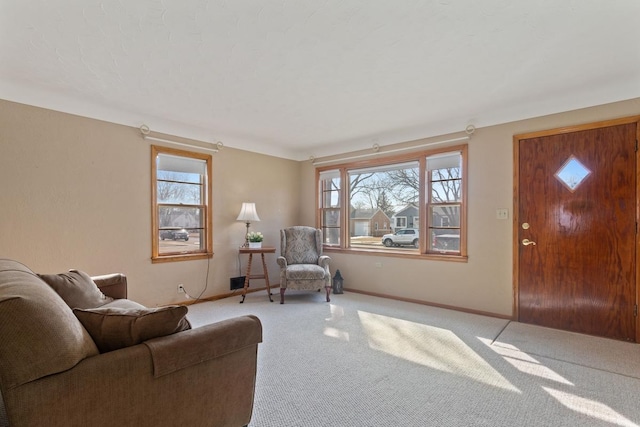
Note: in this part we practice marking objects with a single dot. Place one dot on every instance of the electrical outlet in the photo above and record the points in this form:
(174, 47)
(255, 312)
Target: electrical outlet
(181, 289)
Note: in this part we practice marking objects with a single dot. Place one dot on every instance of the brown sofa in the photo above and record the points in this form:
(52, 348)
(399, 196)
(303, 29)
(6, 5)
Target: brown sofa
(52, 373)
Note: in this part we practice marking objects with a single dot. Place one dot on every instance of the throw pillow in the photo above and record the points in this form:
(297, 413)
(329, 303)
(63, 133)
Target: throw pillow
(77, 289)
(112, 328)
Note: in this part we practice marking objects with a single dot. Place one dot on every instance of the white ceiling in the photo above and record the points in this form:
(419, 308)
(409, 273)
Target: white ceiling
(317, 77)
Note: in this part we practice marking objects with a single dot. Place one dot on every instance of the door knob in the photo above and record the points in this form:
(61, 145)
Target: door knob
(527, 242)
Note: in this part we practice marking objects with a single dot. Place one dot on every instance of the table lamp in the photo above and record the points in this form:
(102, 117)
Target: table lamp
(247, 214)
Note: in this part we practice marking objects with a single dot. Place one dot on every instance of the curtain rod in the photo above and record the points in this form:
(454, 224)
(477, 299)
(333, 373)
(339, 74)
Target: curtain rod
(146, 134)
(376, 149)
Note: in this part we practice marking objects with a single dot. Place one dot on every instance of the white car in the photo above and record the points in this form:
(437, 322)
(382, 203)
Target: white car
(406, 236)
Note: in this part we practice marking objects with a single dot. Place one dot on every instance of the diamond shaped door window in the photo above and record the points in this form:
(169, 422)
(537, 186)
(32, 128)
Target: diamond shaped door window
(572, 173)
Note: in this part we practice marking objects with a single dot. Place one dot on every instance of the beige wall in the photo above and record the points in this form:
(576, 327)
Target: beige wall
(75, 193)
(485, 282)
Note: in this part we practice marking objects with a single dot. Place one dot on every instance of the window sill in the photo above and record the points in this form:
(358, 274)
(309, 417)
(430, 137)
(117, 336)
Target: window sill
(180, 257)
(397, 254)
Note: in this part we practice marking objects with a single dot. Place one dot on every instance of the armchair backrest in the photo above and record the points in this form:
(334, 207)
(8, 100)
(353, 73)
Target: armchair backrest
(301, 244)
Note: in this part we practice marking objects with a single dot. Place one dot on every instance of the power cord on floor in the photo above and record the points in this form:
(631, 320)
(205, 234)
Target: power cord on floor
(206, 284)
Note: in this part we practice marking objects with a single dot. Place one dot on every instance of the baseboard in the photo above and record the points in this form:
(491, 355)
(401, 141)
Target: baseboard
(236, 293)
(431, 304)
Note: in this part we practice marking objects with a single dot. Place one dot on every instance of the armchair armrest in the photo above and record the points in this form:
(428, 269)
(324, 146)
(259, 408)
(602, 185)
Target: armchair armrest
(282, 262)
(323, 261)
(112, 285)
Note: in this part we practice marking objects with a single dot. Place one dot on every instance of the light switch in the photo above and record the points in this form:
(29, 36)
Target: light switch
(502, 213)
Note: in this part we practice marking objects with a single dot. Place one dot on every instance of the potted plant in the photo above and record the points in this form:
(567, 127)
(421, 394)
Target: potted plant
(255, 239)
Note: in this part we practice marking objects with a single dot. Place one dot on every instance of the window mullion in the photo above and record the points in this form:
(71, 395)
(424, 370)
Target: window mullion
(422, 206)
(344, 208)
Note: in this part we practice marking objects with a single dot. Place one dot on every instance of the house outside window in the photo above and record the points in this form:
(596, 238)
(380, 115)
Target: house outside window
(422, 191)
(181, 205)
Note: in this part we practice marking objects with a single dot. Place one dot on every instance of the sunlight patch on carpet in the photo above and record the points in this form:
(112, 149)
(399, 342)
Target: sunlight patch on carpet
(527, 364)
(429, 346)
(336, 333)
(590, 408)
(595, 352)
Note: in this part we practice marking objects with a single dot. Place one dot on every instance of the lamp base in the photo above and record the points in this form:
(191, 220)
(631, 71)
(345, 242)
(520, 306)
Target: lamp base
(246, 236)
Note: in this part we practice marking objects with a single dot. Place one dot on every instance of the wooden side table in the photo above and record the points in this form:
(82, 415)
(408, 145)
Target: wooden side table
(265, 275)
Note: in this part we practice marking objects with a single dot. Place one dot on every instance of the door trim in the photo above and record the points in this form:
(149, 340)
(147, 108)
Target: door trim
(516, 203)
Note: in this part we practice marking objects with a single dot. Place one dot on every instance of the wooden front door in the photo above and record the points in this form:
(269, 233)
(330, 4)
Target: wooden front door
(576, 229)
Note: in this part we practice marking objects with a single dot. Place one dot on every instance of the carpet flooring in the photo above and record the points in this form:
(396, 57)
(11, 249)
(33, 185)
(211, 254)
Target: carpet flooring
(598, 353)
(367, 361)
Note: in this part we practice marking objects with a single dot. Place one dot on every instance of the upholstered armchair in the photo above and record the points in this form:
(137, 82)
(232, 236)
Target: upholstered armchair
(302, 265)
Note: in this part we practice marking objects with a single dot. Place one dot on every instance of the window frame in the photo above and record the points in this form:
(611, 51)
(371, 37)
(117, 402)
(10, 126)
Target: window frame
(423, 252)
(207, 252)
(322, 209)
(432, 205)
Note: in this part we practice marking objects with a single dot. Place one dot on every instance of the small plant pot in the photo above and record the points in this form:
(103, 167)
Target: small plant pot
(255, 245)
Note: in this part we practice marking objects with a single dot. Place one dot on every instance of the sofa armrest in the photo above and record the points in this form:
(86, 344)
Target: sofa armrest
(174, 352)
(112, 285)
(120, 388)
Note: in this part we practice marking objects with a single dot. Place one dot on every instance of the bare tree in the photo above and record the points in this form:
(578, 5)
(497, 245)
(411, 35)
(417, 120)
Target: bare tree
(445, 187)
(387, 189)
(378, 192)
(405, 185)
(385, 204)
(175, 189)
(357, 183)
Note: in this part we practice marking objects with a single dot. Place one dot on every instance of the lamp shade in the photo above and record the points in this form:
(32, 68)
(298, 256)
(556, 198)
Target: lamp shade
(248, 212)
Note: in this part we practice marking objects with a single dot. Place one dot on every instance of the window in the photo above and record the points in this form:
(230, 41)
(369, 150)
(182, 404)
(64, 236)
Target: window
(444, 202)
(181, 211)
(422, 192)
(329, 204)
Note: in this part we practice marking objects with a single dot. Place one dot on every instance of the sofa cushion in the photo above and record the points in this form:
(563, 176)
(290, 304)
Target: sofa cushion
(305, 272)
(40, 334)
(112, 328)
(123, 303)
(77, 289)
